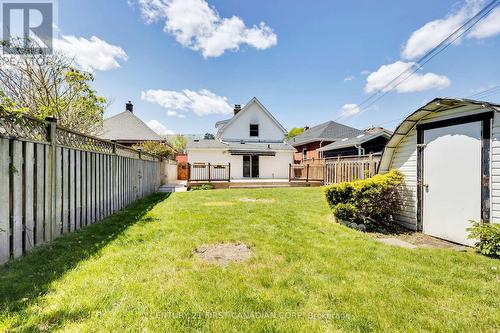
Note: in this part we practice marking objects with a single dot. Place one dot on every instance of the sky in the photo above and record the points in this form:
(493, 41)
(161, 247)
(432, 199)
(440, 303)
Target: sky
(185, 63)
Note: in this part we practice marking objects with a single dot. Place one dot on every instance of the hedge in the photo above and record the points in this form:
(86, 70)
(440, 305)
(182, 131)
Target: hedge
(371, 201)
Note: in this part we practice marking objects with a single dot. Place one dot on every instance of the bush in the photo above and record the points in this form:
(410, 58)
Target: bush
(369, 201)
(489, 238)
(203, 187)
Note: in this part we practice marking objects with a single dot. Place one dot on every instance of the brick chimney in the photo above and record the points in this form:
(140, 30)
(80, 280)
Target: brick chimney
(237, 108)
(129, 107)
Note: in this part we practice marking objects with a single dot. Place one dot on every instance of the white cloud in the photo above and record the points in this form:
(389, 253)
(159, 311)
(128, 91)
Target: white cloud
(348, 78)
(201, 103)
(432, 33)
(349, 110)
(90, 55)
(487, 27)
(196, 25)
(378, 80)
(158, 127)
(365, 72)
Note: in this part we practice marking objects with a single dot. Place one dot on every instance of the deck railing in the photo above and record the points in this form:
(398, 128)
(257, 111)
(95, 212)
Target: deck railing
(335, 170)
(208, 172)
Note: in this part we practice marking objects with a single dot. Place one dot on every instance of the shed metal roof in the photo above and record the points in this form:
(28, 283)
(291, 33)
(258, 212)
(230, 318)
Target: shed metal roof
(436, 105)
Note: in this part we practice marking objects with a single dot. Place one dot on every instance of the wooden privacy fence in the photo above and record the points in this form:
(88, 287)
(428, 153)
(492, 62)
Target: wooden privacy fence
(306, 172)
(349, 168)
(54, 181)
(209, 172)
(335, 170)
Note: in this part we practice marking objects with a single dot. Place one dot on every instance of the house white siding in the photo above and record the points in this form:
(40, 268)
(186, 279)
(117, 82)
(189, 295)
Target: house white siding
(239, 129)
(405, 160)
(269, 166)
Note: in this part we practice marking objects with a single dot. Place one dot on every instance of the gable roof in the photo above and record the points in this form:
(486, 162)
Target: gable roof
(126, 126)
(355, 141)
(247, 146)
(226, 123)
(436, 105)
(328, 131)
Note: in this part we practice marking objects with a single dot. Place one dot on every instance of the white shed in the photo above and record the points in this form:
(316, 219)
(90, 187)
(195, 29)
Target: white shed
(449, 152)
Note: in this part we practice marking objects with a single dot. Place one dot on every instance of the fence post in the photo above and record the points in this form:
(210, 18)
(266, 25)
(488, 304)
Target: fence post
(371, 168)
(53, 174)
(229, 173)
(307, 173)
(209, 172)
(289, 172)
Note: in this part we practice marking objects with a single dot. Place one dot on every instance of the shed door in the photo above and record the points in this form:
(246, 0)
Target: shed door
(452, 181)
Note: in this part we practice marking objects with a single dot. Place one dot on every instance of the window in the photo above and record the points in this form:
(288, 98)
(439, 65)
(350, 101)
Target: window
(254, 130)
(304, 153)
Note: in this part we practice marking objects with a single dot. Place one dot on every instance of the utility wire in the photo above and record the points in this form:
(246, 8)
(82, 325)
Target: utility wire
(486, 92)
(442, 46)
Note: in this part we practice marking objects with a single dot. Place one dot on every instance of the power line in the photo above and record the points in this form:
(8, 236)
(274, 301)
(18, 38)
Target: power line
(437, 50)
(486, 92)
(442, 46)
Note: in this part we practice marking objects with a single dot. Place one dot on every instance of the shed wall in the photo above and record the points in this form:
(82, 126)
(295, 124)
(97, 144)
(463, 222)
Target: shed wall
(405, 160)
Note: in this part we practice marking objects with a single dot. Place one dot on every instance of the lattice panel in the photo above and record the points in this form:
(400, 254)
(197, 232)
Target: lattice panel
(127, 152)
(23, 127)
(72, 139)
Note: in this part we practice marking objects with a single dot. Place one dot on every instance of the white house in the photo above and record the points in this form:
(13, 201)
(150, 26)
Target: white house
(449, 152)
(252, 141)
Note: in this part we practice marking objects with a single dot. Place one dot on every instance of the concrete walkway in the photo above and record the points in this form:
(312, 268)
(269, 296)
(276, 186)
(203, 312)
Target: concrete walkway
(180, 186)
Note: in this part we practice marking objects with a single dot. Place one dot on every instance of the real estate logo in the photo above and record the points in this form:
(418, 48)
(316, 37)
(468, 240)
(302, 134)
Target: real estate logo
(27, 26)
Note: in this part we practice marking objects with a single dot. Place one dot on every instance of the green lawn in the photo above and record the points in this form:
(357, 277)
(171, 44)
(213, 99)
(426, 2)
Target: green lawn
(136, 271)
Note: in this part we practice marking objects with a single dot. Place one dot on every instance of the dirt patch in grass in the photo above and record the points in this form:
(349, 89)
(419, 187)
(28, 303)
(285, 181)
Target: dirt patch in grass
(219, 203)
(223, 253)
(256, 200)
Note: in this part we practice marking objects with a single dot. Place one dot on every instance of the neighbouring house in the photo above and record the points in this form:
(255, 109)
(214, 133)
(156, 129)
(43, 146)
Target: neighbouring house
(252, 141)
(370, 141)
(449, 152)
(312, 139)
(128, 129)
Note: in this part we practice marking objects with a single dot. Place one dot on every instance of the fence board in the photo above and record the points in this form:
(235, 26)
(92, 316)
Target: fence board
(78, 189)
(4, 200)
(58, 194)
(83, 194)
(39, 192)
(29, 179)
(72, 184)
(65, 191)
(17, 198)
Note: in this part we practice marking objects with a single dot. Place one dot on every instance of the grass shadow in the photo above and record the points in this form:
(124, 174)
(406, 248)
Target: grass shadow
(29, 277)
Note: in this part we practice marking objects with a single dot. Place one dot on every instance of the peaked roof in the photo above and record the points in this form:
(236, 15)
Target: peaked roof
(356, 140)
(329, 131)
(126, 126)
(226, 123)
(436, 105)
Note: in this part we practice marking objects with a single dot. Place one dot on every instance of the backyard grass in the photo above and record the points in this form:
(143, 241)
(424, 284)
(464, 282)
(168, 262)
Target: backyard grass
(136, 271)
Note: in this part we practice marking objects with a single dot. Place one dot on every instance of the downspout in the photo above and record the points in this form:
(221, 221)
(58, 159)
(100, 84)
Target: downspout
(321, 146)
(361, 150)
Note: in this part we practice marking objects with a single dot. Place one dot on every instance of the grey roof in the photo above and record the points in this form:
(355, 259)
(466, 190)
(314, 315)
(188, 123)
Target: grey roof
(222, 123)
(216, 144)
(434, 106)
(354, 141)
(126, 126)
(329, 131)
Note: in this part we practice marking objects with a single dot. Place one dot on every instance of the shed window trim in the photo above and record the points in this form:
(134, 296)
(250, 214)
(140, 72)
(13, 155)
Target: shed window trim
(254, 130)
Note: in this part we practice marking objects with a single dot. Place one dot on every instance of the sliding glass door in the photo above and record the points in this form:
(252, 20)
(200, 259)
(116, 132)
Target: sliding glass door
(251, 166)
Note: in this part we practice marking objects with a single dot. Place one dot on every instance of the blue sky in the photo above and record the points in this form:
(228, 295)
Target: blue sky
(308, 62)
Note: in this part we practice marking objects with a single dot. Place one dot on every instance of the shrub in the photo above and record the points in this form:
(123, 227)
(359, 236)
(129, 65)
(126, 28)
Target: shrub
(489, 238)
(369, 201)
(202, 187)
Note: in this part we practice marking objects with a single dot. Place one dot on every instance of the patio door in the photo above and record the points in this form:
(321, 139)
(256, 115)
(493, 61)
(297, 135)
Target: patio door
(250, 166)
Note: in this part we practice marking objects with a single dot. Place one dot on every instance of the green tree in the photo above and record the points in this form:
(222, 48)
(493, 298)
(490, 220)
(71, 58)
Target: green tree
(156, 148)
(209, 136)
(179, 142)
(294, 132)
(42, 84)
